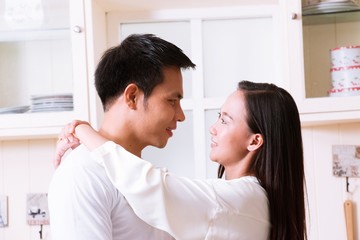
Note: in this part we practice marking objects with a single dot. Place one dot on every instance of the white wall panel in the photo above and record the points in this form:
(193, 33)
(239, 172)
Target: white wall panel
(327, 193)
(25, 167)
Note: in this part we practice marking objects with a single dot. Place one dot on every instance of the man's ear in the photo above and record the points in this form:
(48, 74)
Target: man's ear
(131, 94)
(256, 142)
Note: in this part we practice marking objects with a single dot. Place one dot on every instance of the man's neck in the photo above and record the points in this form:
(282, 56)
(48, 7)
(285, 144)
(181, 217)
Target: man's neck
(122, 137)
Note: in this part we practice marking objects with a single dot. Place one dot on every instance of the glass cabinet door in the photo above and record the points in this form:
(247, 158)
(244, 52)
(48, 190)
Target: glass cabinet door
(39, 75)
(228, 46)
(248, 48)
(321, 38)
(332, 53)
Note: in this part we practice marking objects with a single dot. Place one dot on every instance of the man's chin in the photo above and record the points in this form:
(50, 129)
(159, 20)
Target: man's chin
(161, 145)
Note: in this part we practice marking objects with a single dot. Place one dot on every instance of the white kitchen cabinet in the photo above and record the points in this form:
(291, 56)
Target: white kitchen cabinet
(42, 52)
(310, 39)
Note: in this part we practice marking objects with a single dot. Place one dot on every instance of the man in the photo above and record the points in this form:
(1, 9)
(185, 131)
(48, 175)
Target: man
(140, 85)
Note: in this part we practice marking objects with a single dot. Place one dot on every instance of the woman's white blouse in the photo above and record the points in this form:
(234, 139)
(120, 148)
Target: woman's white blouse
(188, 209)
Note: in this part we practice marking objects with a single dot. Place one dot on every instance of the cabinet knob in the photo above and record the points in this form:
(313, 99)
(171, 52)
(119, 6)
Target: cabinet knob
(77, 29)
(294, 16)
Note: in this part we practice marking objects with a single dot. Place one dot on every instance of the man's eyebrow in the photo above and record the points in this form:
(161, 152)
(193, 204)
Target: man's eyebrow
(177, 95)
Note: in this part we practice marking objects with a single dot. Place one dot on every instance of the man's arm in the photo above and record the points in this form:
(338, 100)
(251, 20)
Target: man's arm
(91, 138)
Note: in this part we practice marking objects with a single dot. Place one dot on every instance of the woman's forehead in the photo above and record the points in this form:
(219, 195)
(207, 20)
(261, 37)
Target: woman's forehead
(234, 104)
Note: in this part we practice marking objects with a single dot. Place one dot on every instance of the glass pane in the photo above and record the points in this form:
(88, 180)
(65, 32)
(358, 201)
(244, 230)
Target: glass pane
(35, 50)
(178, 155)
(177, 33)
(323, 35)
(210, 118)
(235, 50)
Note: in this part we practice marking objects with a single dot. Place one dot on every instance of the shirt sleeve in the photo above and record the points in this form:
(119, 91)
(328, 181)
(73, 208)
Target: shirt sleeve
(180, 206)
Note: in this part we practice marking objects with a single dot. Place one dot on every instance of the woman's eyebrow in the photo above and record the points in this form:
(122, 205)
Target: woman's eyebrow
(227, 115)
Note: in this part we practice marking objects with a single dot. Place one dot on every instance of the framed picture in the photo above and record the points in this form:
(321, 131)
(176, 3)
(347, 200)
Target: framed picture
(346, 160)
(3, 210)
(37, 209)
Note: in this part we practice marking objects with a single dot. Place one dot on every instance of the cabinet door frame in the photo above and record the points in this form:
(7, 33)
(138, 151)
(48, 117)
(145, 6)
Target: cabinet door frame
(319, 110)
(49, 124)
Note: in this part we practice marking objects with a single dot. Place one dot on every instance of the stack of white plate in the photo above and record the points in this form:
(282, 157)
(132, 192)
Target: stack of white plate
(16, 109)
(52, 103)
(330, 6)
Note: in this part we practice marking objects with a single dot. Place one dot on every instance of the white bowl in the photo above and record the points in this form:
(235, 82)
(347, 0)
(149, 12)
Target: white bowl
(345, 56)
(344, 92)
(345, 77)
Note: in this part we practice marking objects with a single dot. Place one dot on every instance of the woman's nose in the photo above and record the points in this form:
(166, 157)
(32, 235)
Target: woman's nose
(212, 129)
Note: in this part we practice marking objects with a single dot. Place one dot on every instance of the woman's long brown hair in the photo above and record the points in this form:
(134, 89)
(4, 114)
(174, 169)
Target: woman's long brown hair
(279, 164)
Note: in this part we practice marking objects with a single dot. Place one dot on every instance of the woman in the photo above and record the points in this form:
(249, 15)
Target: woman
(257, 142)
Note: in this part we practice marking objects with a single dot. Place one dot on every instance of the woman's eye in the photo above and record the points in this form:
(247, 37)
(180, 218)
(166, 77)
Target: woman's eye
(221, 119)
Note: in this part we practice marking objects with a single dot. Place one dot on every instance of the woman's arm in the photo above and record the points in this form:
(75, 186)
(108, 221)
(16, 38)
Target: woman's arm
(180, 206)
(88, 136)
(183, 207)
(67, 139)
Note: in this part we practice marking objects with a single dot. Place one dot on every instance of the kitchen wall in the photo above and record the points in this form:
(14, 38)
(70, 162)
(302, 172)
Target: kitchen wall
(26, 167)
